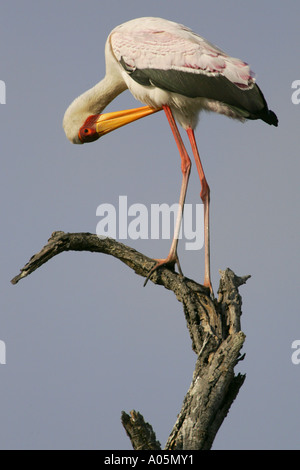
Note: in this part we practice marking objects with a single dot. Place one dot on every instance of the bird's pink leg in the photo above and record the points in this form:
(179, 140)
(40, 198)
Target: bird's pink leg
(172, 257)
(205, 196)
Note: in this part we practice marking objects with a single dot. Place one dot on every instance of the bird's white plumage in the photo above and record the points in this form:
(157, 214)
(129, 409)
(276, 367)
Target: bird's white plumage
(156, 43)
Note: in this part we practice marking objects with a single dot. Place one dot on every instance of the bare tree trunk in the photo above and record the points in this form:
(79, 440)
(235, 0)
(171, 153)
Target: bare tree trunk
(215, 331)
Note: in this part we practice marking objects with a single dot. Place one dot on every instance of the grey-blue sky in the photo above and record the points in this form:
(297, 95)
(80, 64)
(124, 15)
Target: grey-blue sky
(84, 339)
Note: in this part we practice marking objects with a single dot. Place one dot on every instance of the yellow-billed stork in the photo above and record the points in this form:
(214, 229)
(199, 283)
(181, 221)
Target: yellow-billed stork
(167, 66)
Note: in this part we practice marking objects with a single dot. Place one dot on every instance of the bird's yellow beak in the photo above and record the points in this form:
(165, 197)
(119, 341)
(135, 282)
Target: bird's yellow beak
(110, 121)
(97, 125)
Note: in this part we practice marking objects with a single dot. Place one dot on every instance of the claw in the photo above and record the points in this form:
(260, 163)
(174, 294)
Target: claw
(164, 262)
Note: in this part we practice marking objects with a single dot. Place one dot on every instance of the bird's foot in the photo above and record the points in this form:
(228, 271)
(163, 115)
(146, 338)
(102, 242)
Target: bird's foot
(168, 262)
(208, 284)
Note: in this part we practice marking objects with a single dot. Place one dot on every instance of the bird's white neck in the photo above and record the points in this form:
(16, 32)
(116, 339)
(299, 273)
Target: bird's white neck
(93, 101)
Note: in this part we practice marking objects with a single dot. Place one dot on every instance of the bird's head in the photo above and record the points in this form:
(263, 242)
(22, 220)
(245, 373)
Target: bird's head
(80, 129)
(77, 124)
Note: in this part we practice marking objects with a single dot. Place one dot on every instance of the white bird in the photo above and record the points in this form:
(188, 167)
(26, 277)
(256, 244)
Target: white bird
(167, 66)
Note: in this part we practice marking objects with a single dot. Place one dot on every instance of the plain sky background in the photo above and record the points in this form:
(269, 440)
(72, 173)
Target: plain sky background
(84, 339)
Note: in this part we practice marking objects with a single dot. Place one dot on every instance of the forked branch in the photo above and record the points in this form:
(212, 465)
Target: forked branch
(215, 330)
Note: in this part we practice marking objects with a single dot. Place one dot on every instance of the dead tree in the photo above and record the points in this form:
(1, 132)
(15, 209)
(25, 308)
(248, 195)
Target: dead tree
(215, 331)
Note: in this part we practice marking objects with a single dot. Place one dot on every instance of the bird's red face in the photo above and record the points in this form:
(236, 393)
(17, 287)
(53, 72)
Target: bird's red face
(88, 132)
(97, 125)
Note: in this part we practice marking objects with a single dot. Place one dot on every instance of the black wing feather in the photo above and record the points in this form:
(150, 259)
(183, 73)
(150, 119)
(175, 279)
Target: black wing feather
(250, 103)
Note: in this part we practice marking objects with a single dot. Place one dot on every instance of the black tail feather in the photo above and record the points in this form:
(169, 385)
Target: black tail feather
(271, 118)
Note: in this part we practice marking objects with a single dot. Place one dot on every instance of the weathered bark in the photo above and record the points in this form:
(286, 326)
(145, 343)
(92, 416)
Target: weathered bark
(140, 433)
(215, 330)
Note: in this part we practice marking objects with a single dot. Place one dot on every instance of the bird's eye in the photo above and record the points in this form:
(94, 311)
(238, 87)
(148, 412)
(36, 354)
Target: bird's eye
(88, 133)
